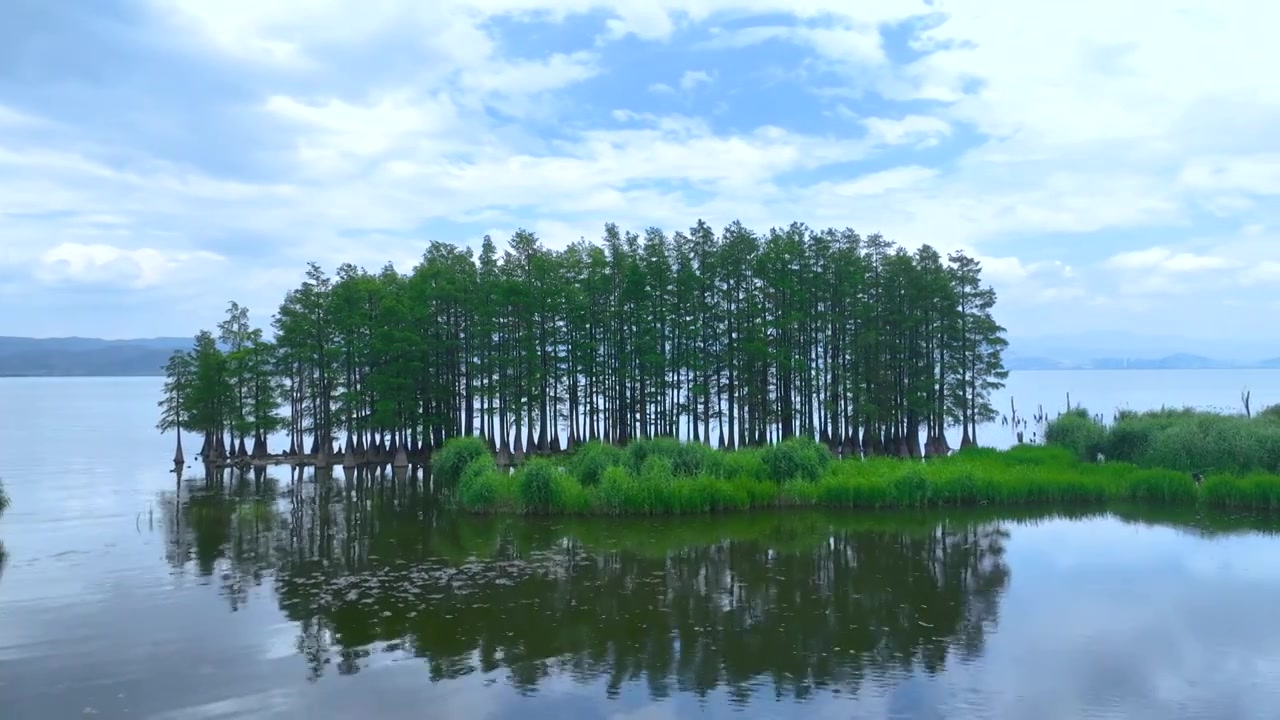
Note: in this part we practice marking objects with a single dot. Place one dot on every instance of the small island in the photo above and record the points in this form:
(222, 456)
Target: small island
(691, 372)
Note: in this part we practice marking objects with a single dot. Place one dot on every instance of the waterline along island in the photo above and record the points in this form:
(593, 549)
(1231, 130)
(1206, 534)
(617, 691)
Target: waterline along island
(655, 373)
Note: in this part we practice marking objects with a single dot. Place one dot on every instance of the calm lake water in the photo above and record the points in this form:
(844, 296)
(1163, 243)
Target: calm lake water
(125, 594)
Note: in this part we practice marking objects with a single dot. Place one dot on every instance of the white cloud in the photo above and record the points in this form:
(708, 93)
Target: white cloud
(1161, 259)
(1090, 127)
(138, 268)
(1266, 272)
(1249, 174)
(692, 78)
(882, 182)
(912, 128)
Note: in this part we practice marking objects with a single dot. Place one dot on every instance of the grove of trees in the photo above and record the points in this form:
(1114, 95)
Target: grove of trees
(734, 339)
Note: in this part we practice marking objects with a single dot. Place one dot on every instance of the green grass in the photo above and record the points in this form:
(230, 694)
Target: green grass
(663, 477)
(449, 464)
(1187, 440)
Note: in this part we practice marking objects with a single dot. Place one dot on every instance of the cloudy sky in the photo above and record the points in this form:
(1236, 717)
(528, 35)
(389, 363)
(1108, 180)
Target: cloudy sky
(1116, 165)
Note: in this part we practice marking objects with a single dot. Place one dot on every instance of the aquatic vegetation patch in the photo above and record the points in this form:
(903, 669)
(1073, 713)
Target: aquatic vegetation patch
(667, 481)
(447, 466)
(1188, 440)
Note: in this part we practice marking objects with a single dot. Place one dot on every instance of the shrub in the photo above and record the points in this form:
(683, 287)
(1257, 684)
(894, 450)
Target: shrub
(799, 474)
(800, 458)
(1270, 413)
(1129, 440)
(481, 487)
(911, 488)
(690, 459)
(1078, 432)
(640, 450)
(656, 469)
(617, 487)
(448, 464)
(537, 485)
(568, 496)
(748, 463)
(591, 460)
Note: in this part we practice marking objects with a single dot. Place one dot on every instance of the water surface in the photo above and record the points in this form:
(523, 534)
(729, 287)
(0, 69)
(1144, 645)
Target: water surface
(127, 594)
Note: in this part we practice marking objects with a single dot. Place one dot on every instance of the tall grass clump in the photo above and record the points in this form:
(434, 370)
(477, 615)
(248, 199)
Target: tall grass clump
(691, 460)
(485, 488)
(1256, 491)
(537, 483)
(638, 451)
(618, 491)
(1196, 441)
(590, 460)
(1270, 413)
(1077, 431)
(449, 462)
(661, 478)
(736, 465)
(799, 458)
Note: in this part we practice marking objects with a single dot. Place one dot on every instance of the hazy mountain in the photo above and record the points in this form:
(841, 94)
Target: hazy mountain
(1085, 349)
(76, 356)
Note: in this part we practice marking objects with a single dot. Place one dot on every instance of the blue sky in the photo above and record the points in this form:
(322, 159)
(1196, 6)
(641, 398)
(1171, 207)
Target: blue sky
(1116, 167)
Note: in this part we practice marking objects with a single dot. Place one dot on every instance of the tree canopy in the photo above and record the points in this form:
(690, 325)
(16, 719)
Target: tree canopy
(732, 339)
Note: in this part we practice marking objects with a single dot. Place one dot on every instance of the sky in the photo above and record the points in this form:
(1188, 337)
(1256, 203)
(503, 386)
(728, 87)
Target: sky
(1115, 166)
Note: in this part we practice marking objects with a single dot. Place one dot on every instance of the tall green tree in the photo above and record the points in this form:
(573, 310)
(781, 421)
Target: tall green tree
(737, 338)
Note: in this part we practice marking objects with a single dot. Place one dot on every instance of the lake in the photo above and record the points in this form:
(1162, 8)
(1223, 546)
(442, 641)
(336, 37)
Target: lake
(126, 594)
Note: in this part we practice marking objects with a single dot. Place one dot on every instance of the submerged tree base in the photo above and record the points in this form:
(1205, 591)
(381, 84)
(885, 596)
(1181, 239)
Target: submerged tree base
(666, 478)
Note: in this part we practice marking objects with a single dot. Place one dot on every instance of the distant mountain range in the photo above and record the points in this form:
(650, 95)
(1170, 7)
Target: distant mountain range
(77, 356)
(84, 357)
(1179, 361)
(1135, 351)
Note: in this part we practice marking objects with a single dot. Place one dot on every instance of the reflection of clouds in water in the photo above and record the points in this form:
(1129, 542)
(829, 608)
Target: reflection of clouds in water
(279, 641)
(403, 691)
(1169, 625)
(269, 704)
(1155, 641)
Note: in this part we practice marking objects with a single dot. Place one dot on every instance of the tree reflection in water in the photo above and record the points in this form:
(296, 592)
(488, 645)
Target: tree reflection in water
(798, 601)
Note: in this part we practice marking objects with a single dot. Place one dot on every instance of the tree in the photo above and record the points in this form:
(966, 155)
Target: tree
(175, 408)
(732, 339)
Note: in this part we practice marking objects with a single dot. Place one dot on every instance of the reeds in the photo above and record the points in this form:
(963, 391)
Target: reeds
(1188, 440)
(448, 465)
(664, 477)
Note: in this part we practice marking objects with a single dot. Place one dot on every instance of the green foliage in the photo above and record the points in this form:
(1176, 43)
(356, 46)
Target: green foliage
(538, 484)
(734, 335)
(448, 464)
(639, 451)
(1180, 439)
(691, 460)
(1077, 431)
(4, 499)
(175, 407)
(796, 458)
(736, 465)
(589, 462)
(617, 490)
(485, 488)
(1026, 476)
(1269, 413)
